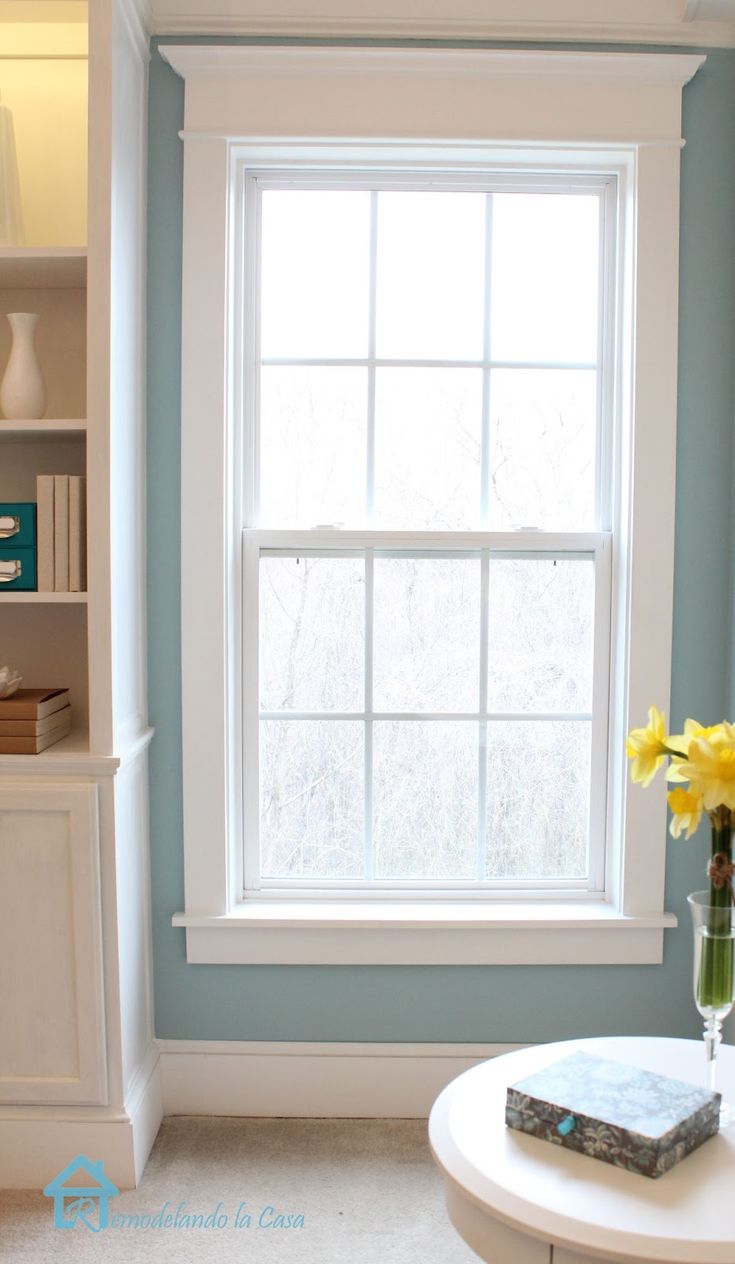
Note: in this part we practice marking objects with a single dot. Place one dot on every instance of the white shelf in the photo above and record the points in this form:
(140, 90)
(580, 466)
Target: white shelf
(46, 428)
(20, 598)
(43, 268)
(74, 746)
(70, 757)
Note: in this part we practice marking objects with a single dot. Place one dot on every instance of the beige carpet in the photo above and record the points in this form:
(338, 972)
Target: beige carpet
(368, 1192)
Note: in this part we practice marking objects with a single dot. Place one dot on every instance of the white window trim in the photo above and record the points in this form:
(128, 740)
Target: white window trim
(467, 108)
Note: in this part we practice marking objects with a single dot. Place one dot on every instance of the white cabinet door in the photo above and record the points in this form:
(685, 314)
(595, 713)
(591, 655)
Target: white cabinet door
(52, 1035)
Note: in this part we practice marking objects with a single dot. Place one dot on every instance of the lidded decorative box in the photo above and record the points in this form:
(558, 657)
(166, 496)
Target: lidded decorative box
(634, 1119)
(17, 546)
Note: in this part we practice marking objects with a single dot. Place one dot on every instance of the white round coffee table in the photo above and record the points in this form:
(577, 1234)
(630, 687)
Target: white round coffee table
(516, 1199)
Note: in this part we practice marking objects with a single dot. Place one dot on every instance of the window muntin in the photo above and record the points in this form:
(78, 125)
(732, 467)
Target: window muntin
(409, 392)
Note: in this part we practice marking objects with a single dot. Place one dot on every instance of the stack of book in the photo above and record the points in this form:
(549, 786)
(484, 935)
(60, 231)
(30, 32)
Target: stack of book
(62, 533)
(32, 719)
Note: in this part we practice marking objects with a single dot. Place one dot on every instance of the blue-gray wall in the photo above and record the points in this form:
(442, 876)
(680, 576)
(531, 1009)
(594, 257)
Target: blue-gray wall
(477, 1003)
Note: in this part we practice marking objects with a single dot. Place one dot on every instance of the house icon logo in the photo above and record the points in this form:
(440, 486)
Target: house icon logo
(81, 1193)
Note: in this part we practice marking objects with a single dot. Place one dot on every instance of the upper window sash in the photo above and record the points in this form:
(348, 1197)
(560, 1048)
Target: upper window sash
(249, 185)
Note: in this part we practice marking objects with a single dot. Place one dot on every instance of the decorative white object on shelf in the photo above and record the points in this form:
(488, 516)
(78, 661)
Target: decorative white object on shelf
(9, 681)
(23, 390)
(11, 212)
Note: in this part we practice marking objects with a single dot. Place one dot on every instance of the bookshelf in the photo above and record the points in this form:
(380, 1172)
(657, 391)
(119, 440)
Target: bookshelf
(45, 635)
(76, 1041)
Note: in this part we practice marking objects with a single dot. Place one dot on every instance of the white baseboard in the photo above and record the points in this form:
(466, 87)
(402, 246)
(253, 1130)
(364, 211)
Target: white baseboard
(36, 1142)
(145, 1108)
(218, 1077)
(297, 1079)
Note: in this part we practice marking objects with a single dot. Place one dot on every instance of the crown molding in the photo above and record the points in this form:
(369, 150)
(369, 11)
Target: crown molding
(697, 34)
(137, 20)
(203, 60)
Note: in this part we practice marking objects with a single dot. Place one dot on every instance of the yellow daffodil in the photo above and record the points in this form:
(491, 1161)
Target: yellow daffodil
(710, 767)
(687, 808)
(647, 748)
(692, 728)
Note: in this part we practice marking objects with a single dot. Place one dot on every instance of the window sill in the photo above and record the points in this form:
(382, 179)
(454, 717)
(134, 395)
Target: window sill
(354, 933)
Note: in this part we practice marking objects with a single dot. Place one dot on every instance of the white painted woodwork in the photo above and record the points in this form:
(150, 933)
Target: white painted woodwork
(52, 1043)
(36, 1142)
(455, 94)
(575, 1203)
(81, 1021)
(125, 192)
(708, 22)
(311, 1080)
(261, 108)
(132, 890)
(354, 932)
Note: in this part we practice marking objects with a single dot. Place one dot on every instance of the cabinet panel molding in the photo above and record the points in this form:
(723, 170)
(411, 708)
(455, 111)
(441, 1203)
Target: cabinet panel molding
(52, 1040)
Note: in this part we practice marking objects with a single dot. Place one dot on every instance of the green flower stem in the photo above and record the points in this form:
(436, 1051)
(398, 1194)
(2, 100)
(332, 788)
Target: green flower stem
(715, 982)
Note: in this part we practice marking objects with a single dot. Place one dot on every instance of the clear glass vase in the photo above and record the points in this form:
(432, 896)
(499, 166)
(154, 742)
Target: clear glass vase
(714, 974)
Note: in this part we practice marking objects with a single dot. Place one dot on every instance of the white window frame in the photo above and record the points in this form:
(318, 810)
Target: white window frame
(276, 108)
(594, 544)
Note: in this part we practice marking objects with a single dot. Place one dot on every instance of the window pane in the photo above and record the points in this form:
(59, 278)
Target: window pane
(427, 634)
(425, 803)
(541, 635)
(312, 446)
(312, 628)
(315, 273)
(430, 275)
(427, 448)
(544, 277)
(538, 799)
(311, 798)
(543, 427)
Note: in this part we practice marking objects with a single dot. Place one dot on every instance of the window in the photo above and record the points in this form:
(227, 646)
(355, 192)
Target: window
(432, 426)
(493, 136)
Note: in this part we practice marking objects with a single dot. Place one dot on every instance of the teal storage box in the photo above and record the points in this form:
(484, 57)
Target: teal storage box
(18, 525)
(611, 1111)
(17, 570)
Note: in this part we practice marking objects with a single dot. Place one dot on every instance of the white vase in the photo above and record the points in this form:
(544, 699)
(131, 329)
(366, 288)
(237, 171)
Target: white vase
(23, 390)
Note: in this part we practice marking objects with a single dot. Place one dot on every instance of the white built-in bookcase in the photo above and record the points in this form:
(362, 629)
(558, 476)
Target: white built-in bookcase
(78, 1063)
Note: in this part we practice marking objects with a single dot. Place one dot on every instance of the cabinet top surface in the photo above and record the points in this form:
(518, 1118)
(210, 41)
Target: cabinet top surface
(684, 1217)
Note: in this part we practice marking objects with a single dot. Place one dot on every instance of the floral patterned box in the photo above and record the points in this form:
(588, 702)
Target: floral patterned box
(614, 1112)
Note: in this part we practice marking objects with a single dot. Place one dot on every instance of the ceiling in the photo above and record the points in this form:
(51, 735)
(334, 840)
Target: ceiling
(707, 22)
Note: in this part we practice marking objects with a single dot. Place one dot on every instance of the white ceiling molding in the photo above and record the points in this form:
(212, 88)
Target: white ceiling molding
(705, 23)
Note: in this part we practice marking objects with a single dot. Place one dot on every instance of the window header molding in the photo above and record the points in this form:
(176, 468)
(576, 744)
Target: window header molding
(497, 94)
(190, 60)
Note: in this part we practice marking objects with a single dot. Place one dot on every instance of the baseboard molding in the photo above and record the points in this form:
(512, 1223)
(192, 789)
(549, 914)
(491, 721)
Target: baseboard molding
(36, 1142)
(218, 1077)
(285, 1079)
(145, 1109)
